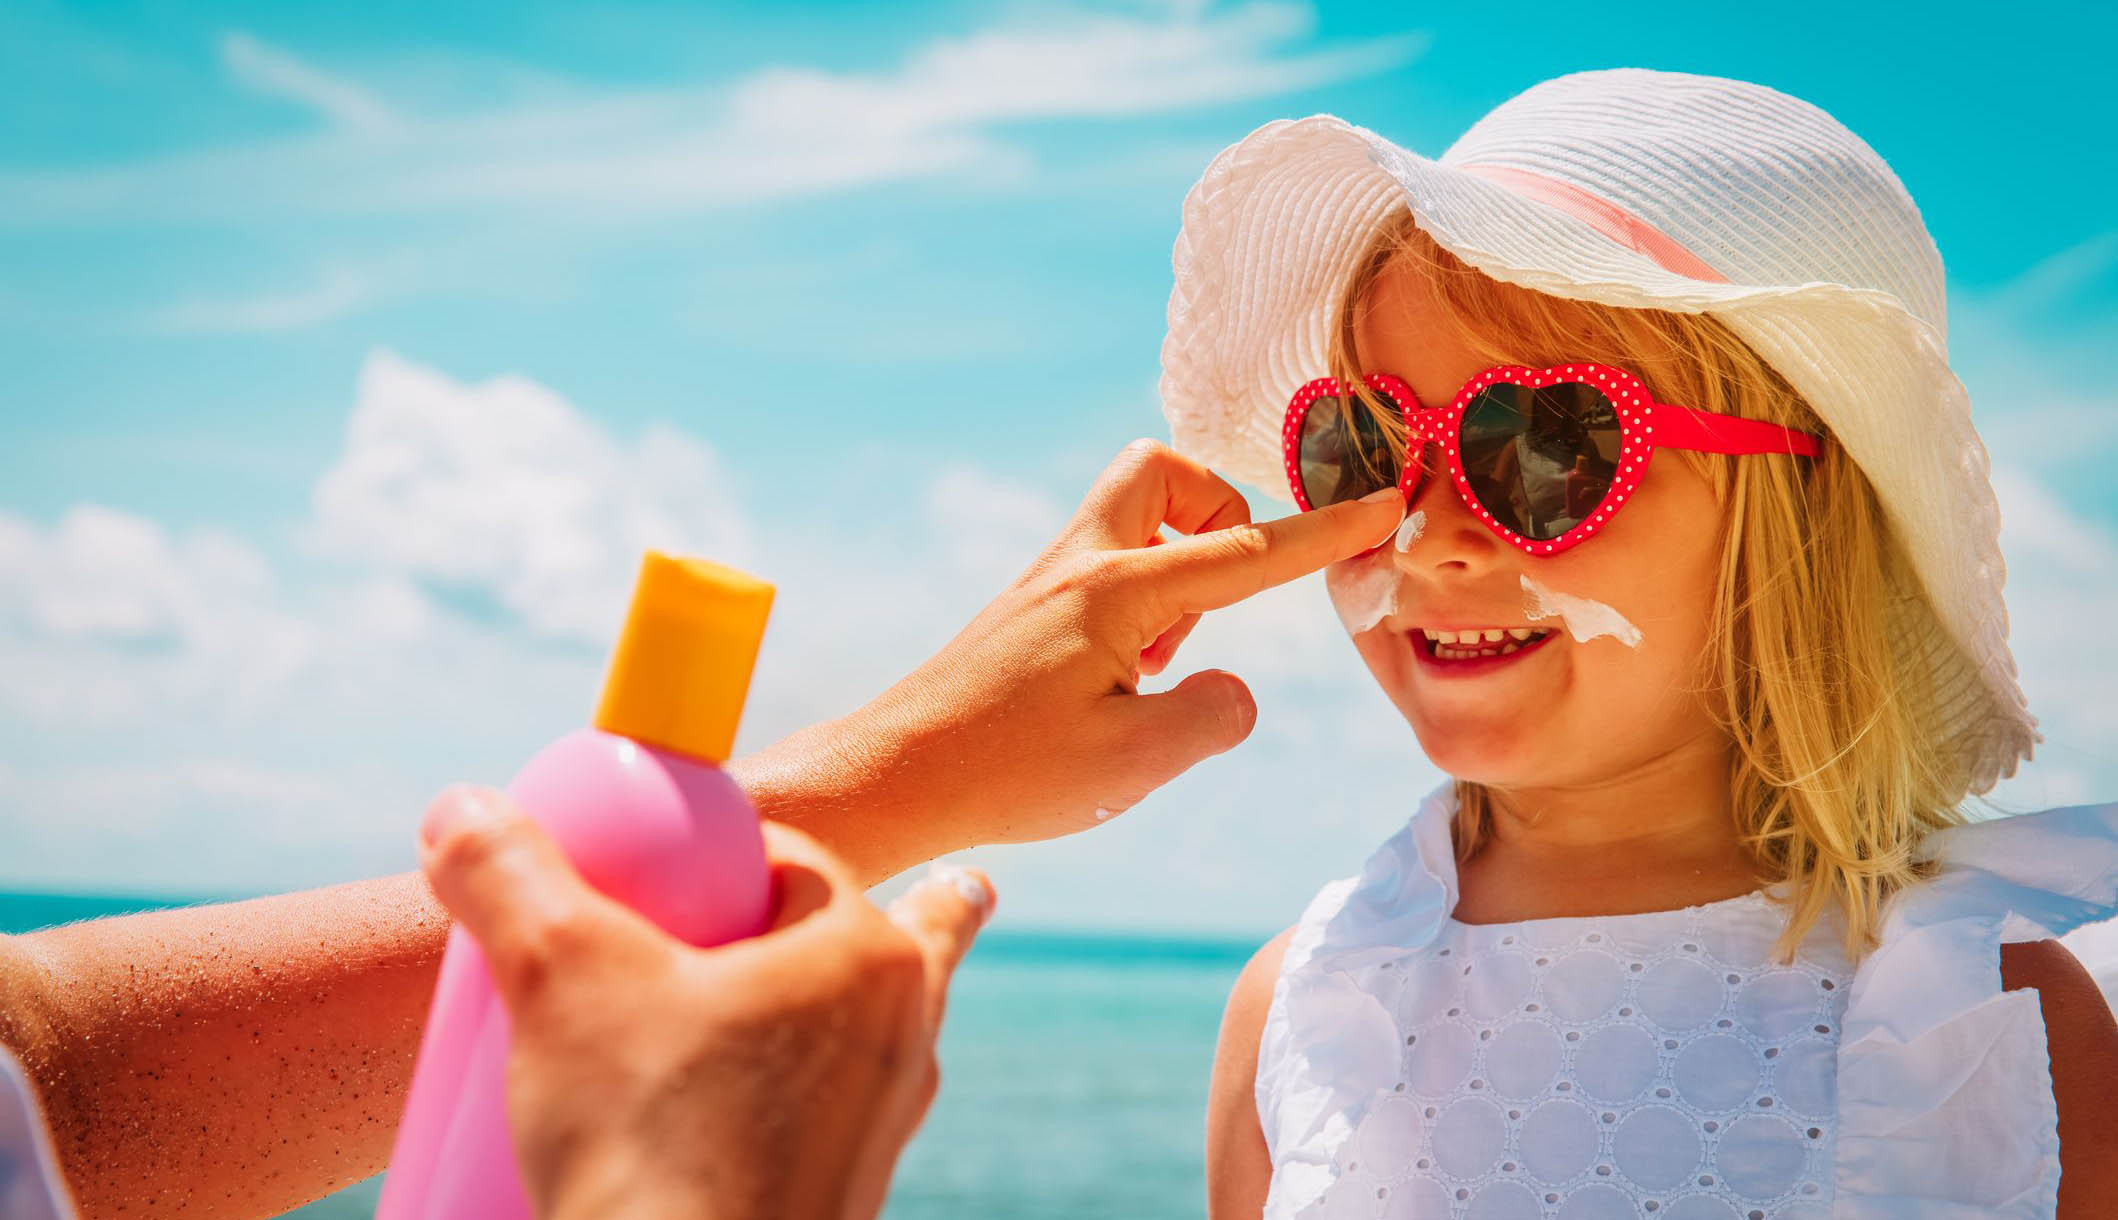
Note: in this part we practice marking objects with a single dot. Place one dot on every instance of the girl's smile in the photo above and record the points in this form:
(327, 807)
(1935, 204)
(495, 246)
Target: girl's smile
(1477, 651)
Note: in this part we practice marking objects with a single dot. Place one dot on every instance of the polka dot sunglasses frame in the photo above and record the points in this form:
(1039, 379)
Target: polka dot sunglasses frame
(1579, 403)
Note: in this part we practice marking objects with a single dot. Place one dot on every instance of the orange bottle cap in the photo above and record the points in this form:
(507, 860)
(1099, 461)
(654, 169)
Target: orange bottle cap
(682, 667)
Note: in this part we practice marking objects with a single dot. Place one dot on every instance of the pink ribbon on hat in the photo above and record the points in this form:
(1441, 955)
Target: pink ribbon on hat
(1603, 216)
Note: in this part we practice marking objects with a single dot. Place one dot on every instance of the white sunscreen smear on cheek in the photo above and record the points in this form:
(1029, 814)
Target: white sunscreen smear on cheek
(1585, 618)
(1409, 532)
(1363, 590)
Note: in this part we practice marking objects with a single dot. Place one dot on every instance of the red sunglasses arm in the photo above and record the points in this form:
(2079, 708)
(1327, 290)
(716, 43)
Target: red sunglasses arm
(1690, 428)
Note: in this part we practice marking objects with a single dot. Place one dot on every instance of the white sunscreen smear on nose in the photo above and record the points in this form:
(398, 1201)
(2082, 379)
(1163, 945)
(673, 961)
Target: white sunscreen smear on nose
(1585, 618)
(1410, 530)
(1363, 590)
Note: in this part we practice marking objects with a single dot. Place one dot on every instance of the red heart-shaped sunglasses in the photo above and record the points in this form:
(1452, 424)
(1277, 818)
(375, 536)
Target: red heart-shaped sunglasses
(1542, 456)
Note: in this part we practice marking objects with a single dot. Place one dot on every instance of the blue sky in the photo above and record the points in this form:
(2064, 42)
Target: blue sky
(861, 295)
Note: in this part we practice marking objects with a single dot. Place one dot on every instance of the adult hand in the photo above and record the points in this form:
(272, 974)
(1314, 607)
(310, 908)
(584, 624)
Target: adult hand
(778, 1076)
(1029, 724)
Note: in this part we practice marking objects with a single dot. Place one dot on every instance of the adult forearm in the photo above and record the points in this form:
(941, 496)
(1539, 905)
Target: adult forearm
(231, 1060)
(857, 785)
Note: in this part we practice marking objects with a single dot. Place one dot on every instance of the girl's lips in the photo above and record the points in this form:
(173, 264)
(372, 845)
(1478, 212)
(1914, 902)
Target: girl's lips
(1470, 667)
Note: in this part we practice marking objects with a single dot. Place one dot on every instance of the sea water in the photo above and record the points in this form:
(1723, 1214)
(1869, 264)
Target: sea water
(1073, 1076)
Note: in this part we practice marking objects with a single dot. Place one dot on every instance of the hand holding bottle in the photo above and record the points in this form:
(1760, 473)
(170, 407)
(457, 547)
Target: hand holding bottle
(775, 1076)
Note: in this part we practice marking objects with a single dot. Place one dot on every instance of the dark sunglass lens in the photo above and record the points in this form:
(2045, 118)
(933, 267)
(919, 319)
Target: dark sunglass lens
(1346, 451)
(1540, 460)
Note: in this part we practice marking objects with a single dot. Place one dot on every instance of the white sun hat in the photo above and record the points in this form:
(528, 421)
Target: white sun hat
(1644, 189)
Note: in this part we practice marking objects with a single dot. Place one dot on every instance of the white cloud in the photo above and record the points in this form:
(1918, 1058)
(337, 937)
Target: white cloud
(2057, 282)
(2026, 351)
(2062, 587)
(778, 133)
(277, 73)
(106, 573)
(1080, 66)
(995, 525)
(504, 488)
(107, 616)
(338, 291)
(2041, 536)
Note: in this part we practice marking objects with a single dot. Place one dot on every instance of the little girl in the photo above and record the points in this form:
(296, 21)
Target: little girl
(1698, 603)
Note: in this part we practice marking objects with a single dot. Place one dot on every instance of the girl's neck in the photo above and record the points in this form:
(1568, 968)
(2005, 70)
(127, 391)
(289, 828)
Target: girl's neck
(1658, 836)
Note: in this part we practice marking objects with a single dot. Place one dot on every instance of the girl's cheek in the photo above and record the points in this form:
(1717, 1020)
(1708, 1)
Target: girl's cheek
(1363, 589)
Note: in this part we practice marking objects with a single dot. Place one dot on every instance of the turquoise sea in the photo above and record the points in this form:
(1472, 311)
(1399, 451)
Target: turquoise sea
(1074, 1072)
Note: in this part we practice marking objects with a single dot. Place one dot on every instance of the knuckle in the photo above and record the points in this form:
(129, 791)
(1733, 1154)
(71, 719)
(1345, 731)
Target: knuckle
(1144, 449)
(468, 850)
(1135, 456)
(529, 966)
(1244, 541)
(547, 943)
(566, 935)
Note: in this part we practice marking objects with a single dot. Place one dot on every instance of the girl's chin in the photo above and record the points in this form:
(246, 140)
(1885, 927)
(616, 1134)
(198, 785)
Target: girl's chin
(1494, 758)
(1492, 720)
(1489, 740)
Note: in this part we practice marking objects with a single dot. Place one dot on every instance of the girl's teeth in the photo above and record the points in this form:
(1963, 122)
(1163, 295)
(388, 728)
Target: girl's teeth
(1479, 642)
(1488, 635)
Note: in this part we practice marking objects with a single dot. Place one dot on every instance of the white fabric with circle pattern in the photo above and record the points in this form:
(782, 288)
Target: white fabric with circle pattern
(1661, 1064)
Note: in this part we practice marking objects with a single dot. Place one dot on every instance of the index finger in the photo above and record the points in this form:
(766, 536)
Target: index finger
(1209, 570)
(1146, 485)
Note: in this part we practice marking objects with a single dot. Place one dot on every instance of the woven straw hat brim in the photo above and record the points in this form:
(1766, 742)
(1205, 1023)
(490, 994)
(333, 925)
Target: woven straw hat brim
(1270, 237)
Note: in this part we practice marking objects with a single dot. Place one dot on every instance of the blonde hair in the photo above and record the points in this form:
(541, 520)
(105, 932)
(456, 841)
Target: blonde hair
(1837, 769)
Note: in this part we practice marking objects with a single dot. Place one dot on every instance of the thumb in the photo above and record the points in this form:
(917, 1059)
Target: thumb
(505, 881)
(1170, 731)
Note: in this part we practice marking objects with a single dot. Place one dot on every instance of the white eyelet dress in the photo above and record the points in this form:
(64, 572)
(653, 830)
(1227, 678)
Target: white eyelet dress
(1659, 1066)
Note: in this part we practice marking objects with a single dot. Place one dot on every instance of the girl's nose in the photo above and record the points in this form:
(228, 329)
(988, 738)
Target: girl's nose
(1452, 536)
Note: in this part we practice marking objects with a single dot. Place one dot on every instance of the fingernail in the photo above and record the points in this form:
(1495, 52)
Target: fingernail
(1378, 497)
(974, 891)
(458, 805)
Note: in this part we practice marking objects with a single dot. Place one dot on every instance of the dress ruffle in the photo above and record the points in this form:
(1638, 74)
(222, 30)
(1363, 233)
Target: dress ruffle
(1944, 1080)
(1945, 1105)
(1327, 1040)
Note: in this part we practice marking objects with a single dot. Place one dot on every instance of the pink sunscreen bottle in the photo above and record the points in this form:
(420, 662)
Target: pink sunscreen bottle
(641, 806)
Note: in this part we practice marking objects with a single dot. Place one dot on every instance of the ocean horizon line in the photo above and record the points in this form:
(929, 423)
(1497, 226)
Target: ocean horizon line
(29, 910)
